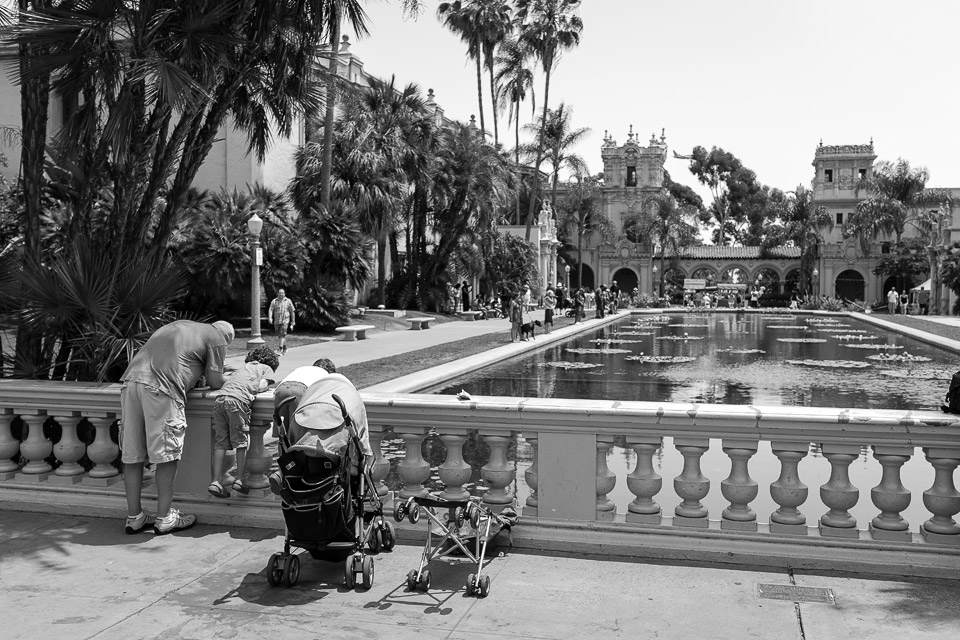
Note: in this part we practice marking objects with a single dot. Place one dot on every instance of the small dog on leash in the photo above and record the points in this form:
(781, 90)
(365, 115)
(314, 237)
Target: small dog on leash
(527, 329)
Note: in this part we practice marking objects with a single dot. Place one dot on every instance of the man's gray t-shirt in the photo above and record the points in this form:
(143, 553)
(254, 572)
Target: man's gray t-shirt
(175, 357)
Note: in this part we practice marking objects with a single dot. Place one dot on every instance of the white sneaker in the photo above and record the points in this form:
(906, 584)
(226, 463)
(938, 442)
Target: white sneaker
(173, 521)
(138, 523)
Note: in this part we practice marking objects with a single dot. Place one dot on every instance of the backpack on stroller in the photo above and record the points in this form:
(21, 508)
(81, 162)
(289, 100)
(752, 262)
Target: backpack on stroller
(330, 505)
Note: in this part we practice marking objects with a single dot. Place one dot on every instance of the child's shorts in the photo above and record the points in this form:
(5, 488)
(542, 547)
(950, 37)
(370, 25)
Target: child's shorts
(231, 423)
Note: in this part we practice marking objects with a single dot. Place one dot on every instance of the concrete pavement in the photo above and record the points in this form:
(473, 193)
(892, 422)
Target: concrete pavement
(79, 578)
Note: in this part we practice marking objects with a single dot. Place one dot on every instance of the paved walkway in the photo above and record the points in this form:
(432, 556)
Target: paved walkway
(68, 577)
(77, 578)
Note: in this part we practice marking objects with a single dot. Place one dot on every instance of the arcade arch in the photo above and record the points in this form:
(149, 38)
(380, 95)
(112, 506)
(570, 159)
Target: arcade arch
(768, 279)
(626, 279)
(850, 285)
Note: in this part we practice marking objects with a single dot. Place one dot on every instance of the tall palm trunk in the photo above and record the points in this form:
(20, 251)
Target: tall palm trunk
(493, 104)
(516, 125)
(329, 113)
(535, 186)
(381, 270)
(483, 126)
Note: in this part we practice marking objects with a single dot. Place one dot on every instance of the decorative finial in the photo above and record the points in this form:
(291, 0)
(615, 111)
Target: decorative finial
(821, 142)
(653, 138)
(430, 96)
(473, 121)
(663, 134)
(871, 141)
(345, 44)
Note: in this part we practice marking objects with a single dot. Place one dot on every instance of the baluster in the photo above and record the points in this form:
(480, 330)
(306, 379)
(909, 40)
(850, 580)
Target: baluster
(691, 485)
(454, 472)
(102, 452)
(498, 473)
(68, 450)
(838, 493)
(413, 469)
(35, 447)
(531, 476)
(606, 480)
(644, 482)
(258, 461)
(787, 491)
(890, 496)
(9, 446)
(381, 467)
(739, 488)
(942, 499)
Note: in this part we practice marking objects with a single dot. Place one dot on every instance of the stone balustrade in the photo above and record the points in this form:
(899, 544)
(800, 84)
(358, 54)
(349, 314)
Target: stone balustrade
(569, 480)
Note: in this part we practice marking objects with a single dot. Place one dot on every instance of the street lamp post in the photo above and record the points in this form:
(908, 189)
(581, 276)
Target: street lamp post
(816, 282)
(656, 283)
(254, 225)
(566, 268)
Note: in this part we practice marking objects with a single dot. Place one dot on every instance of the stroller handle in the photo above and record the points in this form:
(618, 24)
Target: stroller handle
(346, 415)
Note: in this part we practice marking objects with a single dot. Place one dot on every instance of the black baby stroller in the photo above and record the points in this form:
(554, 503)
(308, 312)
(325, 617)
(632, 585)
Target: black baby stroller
(330, 505)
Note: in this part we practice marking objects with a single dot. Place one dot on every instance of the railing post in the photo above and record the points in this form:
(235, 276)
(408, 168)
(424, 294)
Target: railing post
(691, 485)
(258, 461)
(890, 496)
(606, 480)
(838, 493)
(498, 473)
(102, 451)
(454, 472)
(787, 491)
(413, 469)
(381, 467)
(9, 446)
(68, 450)
(531, 476)
(739, 488)
(644, 482)
(36, 447)
(942, 499)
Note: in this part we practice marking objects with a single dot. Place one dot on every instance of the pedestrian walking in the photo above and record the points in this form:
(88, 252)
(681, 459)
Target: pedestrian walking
(893, 299)
(283, 317)
(549, 302)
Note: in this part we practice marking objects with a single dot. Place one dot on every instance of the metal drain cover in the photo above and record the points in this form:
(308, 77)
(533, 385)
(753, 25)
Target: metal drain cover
(793, 593)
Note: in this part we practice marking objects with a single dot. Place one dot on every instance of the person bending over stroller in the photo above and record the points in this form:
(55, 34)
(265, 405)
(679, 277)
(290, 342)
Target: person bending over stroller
(231, 416)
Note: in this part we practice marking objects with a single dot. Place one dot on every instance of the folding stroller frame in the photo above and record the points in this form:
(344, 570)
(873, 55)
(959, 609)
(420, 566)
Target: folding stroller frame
(369, 528)
(453, 536)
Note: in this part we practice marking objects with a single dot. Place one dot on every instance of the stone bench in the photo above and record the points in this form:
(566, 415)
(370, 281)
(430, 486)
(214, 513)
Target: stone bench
(470, 316)
(416, 324)
(355, 332)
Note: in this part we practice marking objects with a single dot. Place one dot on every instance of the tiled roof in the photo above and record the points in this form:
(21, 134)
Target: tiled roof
(714, 252)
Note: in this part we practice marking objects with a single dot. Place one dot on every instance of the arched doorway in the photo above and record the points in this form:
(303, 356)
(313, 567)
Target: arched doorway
(792, 282)
(769, 280)
(705, 273)
(673, 283)
(850, 285)
(626, 279)
(734, 275)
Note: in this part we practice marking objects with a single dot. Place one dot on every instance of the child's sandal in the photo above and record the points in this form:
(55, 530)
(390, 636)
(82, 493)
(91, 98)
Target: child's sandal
(217, 490)
(239, 487)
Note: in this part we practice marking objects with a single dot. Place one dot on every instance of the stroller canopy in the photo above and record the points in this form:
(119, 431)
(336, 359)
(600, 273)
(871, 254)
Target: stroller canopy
(318, 425)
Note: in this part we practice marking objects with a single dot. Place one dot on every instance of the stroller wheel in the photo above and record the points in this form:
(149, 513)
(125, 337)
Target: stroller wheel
(349, 578)
(367, 572)
(414, 516)
(484, 586)
(470, 580)
(412, 579)
(291, 570)
(458, 516)
(424, 584)
(376, 540)
(475, 516)
(389, 536)
(399, 513)
(274, 570)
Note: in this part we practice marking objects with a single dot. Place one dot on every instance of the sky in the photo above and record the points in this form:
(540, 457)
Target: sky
(764, 80)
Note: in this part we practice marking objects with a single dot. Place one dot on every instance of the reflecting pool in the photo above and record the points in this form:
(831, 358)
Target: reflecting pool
(728, 358)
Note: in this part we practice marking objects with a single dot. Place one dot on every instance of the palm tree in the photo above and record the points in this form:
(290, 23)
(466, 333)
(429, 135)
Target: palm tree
(334, 12)
(514, 79)
(802, 226)
(581, 212)
(560, 139)
(664, 221)
(461, 17)
(896, 201)
(547, 27)
(496, 25)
